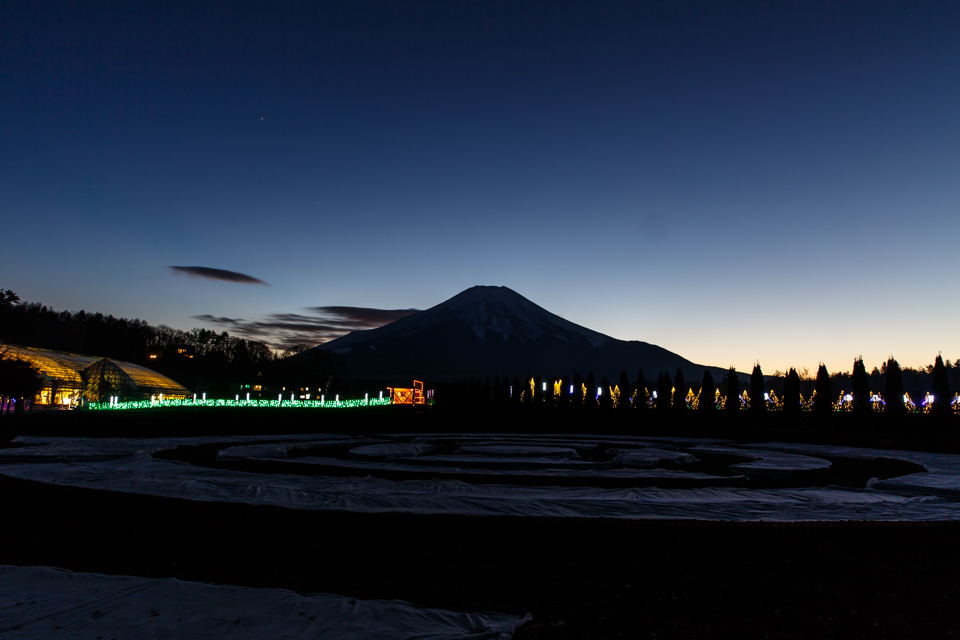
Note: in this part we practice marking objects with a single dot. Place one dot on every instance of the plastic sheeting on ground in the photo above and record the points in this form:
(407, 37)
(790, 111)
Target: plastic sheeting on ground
(41, 602)
(562, 439)
(558, 473)
(517, 450)
(942, 475)
(383, 451)
(142, 474)
(766, 462)
(498, 462)
(575, 445)
(649, 457)
(112, 448)
(280, 450)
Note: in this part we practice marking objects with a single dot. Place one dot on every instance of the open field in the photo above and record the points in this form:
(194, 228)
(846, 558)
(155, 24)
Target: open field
(579, 577)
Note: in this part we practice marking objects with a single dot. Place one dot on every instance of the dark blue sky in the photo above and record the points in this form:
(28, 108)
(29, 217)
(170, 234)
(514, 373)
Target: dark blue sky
(733, 181)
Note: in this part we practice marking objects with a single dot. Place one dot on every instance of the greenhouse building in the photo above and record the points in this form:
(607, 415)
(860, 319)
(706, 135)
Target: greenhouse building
(69, 379)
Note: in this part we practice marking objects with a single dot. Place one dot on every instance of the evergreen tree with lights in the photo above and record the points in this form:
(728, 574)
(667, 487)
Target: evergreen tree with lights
(860, 387)
(791, 392)
(641, 390)
(679, 391)
(590, 401)
(893, 388)
(732, 402)
(823, 401)
(708, 391)
(605, 401)
(757, 400)
(941, 388)
(623, 402)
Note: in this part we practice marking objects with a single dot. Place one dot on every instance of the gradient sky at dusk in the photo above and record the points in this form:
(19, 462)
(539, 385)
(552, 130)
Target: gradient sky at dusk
(735, 182)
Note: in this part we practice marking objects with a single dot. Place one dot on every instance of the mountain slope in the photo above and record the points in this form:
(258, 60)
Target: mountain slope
(490, 331)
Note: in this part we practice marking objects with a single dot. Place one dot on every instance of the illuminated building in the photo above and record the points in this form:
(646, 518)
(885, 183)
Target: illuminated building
(413, 395)
(69, 378)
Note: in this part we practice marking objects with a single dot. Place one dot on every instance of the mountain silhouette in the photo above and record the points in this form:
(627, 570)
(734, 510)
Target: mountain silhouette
(491, 331)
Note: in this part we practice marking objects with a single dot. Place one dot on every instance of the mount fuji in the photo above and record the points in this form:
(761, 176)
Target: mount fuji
(491, 331)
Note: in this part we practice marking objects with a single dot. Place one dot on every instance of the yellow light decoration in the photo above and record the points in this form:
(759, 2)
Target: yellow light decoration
(876, 402)
(844, 403)
(927, 404)
(775, 401)
(908, 403)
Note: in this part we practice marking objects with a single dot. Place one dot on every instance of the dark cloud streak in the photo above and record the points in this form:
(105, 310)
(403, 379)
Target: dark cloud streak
(284, 330)
(218, 274)
(363, 317)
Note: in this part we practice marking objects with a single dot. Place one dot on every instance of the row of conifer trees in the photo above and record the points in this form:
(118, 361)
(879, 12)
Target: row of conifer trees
(673, 394)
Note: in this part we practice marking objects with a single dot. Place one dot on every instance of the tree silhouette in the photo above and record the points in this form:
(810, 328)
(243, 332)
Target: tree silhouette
(19, 379)
(680, 391)
(860, 387)
(893, 388)
(664, 391)
(517, 398)
(641, 390)
(708, 390)
(624, 385)
(823, 401)
(941, 388)
(732, 402)
(590, 399)
(791, 392)
(757, 400)
(605, 400)
(577, 398)
(8, 298)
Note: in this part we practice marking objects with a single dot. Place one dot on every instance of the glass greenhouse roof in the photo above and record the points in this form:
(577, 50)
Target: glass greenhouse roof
(64, 369)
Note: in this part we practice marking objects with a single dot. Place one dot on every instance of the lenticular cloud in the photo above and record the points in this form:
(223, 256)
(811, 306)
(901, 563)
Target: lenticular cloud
(218, 274)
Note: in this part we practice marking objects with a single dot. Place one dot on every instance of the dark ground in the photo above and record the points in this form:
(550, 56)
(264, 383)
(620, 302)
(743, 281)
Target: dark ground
(579, 578)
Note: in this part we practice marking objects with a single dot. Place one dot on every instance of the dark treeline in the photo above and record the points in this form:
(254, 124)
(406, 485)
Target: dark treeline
(889, 389)
(200, 359)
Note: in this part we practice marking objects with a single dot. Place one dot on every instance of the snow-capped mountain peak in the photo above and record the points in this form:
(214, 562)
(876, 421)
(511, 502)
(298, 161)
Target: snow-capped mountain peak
(491, 313)
(489, 331)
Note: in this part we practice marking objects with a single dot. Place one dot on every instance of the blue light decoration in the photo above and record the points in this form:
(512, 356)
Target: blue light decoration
(262, 404)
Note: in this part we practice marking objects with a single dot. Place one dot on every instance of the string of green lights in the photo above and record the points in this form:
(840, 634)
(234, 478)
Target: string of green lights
(287, 404)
